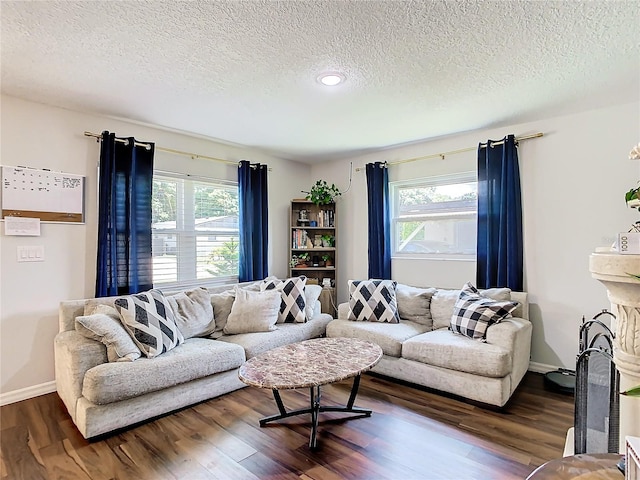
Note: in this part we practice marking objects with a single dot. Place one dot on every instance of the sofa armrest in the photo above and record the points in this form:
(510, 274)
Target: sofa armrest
(74, 355)
(514, 335)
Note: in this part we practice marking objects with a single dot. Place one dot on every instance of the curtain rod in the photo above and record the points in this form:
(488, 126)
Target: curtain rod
(164, 149)
(453, 152)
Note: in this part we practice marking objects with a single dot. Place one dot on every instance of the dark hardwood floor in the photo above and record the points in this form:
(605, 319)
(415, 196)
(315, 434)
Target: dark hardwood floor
(412, 434)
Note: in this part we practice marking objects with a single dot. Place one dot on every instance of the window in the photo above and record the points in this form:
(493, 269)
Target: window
(194, 231)
(435, 217)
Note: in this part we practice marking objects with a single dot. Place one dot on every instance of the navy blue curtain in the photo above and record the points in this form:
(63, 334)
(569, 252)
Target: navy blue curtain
(253, 219)
(499, 251)
(124, 217)
(379, 221)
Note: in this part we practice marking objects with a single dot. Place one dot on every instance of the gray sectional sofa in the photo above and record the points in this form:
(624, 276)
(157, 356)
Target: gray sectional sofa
(423, 351)
(102, 396)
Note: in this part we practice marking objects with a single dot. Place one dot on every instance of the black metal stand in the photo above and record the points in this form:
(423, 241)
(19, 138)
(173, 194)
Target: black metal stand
(315, 408)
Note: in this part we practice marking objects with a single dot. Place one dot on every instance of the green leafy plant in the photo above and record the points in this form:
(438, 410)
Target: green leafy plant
(632, 197)
(327, 240)
(632, 392)
(224, 260)
(322, 193)
(326, 257)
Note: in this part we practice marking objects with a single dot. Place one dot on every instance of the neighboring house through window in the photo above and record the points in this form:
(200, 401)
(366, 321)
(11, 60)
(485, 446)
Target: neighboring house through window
(195, 232)
(435, 217)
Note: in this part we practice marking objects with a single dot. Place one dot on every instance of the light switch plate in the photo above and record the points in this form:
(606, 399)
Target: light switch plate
(31, 253)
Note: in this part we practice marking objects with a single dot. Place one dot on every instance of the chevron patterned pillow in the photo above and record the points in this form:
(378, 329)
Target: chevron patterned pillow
(373, 301)
(293, 304)
(149, 320)
(473, 313)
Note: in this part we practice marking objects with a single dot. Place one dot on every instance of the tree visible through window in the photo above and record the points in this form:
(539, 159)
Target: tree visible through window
(435, 217)
(195, 232)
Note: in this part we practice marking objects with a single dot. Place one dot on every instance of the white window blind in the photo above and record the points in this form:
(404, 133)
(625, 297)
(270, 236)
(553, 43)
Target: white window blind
(195, 232)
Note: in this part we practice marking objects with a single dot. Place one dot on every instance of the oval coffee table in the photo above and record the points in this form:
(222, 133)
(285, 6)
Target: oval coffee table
(312, 363)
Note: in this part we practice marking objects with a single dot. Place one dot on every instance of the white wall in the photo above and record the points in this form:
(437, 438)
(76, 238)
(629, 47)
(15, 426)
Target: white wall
(45, 137)
(573, 184)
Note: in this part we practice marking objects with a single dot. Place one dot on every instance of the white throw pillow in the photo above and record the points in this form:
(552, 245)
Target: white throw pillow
(253, 312)
(311, 295)
(373, 301)
(193, 312)
(150, 321)
(293, 301)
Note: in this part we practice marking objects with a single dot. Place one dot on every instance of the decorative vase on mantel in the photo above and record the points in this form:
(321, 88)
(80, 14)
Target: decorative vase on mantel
(613, 270)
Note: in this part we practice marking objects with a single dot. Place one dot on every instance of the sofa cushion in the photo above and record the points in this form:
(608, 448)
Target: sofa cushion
(149, 320)
(414, 304)
(195, 358)
(193, 312)
(253, 312)
(373, 301)
(106, 327)
(293, 301)
(390, 336)
(473, 313)
(259, 342)
(443, 301)
(442, 348)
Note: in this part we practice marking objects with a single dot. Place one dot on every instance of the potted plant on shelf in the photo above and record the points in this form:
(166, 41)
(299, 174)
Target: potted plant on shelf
(322, 193)
(328, 261)
(302, 260)
(327, 240)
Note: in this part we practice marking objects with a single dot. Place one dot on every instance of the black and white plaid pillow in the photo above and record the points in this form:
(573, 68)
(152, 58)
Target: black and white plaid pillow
(473, 313)
(149, 320)
(293, 304)
(373, 301)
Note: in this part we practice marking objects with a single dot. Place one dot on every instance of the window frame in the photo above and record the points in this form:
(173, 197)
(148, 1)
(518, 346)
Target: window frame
(435, 180)
(186, 229)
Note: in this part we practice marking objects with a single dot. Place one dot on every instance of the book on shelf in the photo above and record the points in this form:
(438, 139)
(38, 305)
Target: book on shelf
(325, 218)
(300, 238)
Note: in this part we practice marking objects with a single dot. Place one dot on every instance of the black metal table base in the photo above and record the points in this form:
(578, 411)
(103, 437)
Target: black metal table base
(316, 408)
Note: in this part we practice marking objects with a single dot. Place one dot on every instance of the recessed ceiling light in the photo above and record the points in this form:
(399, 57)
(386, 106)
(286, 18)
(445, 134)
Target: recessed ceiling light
(331, 79)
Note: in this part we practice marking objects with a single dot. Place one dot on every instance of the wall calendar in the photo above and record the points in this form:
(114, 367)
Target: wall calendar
(44, 194)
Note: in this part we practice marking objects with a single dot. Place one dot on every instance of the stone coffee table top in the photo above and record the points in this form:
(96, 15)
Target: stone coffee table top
(310, 363)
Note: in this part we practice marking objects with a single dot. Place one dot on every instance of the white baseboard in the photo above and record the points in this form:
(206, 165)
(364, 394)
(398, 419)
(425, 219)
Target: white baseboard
(542, 367)
(26, 393)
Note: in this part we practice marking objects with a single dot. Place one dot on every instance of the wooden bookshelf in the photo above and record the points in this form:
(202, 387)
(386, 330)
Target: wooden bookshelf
(306, 234)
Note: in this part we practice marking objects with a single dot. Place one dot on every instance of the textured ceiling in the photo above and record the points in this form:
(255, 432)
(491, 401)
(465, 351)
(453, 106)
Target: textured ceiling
(245, 71)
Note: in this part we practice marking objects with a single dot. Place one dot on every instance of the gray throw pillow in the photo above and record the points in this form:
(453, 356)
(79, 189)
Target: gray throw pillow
(222, 304)
(414, 304)
(443, 302)
(253, 312)
(193, 312)
(103, 325)
(150, 321)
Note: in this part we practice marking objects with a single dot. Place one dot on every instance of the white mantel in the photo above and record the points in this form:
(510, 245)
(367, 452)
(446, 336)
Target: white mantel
(613, 269)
